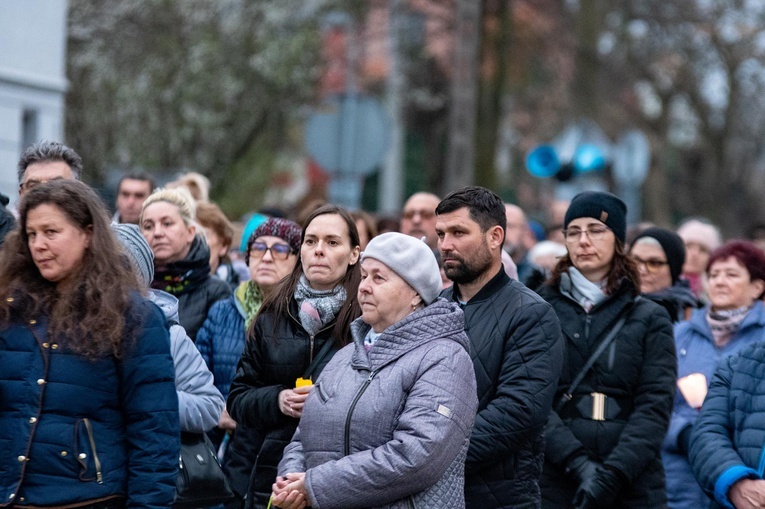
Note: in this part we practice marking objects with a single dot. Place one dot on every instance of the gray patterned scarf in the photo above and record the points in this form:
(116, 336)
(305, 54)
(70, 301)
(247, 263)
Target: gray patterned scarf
(317, 307)
(725, 323)
(581, 289)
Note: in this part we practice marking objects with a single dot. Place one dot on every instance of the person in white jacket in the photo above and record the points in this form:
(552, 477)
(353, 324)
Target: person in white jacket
(199, 402)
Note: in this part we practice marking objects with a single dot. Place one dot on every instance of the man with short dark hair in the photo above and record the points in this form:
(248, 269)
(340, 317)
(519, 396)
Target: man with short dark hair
(132, 191)
(516, 348)
(47, 160)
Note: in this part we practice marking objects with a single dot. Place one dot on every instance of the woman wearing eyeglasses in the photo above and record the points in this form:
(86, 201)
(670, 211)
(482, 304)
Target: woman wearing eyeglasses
(604, 434)
(271, 255)
(300, 326)
(659, 255)
(734, 319)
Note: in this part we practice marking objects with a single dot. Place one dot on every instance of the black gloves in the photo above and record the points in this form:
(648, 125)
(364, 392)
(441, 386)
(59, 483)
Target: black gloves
(600, 490)
(581, 468)
(684, 439)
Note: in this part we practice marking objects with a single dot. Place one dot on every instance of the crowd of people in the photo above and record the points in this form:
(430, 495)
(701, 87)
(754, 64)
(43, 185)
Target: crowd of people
(457, 356)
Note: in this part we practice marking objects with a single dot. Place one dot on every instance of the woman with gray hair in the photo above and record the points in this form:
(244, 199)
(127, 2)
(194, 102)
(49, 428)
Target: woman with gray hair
(389, 420)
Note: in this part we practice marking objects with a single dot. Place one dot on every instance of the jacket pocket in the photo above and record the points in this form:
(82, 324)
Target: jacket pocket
(86, 452)
(321, 392)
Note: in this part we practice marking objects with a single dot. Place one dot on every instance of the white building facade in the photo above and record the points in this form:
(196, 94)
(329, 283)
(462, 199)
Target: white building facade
(32, 80)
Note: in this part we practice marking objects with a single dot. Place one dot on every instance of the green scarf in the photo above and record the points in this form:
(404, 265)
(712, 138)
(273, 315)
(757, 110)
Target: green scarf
(250, 297)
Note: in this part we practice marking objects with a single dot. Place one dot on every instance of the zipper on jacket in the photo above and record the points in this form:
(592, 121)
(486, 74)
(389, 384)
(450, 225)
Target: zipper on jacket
(410, 502)
(587, 321)
(347, 448)
(91, 439)
(761, 466)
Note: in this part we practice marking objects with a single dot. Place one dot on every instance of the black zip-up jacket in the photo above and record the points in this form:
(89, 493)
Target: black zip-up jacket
(272, 361)
(639, 371)
(517, 354)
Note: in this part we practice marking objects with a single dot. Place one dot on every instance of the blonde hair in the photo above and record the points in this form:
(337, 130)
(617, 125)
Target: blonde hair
(197, 185)
(179, 197)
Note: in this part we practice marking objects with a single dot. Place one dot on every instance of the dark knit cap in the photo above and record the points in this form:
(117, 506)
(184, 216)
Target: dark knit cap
(288, 231)
(673, 247)
(605, 207)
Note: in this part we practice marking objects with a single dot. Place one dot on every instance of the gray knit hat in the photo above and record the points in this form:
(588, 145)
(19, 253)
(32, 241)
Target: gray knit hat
(136, 246)
(411, 259)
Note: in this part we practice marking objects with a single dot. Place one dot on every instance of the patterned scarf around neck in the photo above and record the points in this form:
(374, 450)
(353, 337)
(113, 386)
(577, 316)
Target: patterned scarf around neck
(317, 307)
(251, 298)
(581, 289)
(725, 323)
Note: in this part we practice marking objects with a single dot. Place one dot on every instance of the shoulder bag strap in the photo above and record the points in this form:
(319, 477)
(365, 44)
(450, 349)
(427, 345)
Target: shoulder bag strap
(594, 357)
(319, 357)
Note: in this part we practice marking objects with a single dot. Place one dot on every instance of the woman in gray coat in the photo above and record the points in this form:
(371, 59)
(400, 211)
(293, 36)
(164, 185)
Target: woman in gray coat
(388, 422)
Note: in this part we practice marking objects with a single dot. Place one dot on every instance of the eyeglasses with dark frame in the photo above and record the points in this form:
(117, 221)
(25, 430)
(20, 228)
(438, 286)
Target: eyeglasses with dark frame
(594, 233)
(651, 265)
(278, 251)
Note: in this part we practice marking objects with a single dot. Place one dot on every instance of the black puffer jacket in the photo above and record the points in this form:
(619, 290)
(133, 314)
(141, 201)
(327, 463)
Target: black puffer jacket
(272, 361)
(637, 372)
(517, 354)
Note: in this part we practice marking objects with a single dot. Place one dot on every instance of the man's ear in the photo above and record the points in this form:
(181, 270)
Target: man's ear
(495, 236)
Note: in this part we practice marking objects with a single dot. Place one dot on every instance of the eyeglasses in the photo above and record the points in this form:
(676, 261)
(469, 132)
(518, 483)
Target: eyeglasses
(650, 265)
(424, 214)
(573, 235)
(278, 251)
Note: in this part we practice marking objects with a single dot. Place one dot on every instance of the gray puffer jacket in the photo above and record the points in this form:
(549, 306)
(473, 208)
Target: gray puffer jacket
(389, 428)
(199, 402)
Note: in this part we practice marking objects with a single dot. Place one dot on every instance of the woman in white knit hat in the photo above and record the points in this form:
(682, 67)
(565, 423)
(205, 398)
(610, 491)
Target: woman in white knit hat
(389, 420)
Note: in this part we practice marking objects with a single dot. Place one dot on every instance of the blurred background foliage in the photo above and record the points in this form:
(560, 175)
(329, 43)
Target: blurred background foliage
(219, 86)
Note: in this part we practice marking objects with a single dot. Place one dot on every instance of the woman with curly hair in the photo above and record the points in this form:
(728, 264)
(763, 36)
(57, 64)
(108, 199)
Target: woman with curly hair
(88, 409)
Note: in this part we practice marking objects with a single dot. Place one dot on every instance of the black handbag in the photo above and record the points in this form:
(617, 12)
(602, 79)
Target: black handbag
(201, 481)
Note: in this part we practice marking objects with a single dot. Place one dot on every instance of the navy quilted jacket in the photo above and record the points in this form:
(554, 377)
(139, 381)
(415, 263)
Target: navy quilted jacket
(728, 439)
(697, 353)
(74, 430)
(221, 341)
(389, 428)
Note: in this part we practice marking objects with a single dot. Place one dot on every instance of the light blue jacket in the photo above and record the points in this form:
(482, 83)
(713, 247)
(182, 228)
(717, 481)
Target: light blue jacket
(199, 402)
(697, 353)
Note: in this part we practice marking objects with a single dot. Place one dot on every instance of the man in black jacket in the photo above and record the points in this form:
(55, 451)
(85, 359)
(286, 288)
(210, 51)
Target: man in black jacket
(516, 349)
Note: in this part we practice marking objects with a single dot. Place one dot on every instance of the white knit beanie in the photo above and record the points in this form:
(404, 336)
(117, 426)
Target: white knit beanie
(411, 259)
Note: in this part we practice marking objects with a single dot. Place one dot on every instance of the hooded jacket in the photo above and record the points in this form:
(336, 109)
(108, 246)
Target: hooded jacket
(199, 402)
(697, 353)
(389, 428)
(517, 354)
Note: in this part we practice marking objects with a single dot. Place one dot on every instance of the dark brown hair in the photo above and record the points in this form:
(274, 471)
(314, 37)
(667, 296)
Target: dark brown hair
(279, 301)
(90, 315)
(622, 267)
